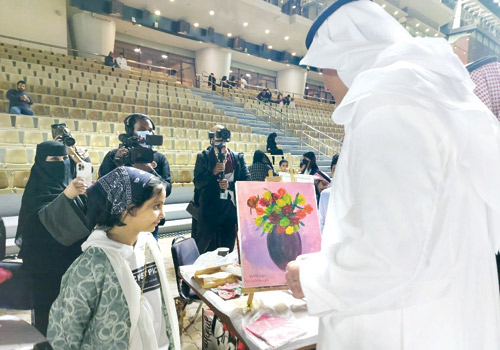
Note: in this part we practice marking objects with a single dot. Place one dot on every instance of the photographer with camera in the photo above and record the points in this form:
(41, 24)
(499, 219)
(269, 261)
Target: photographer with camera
(136, 150)
(77, 154)
(213, 207)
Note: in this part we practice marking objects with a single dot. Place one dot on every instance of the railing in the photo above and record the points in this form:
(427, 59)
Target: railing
(318, 141)
(83, 53)
(202, 82)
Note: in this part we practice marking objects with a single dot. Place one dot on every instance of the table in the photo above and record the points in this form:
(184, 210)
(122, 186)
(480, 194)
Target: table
(16, 334)
(231, 313)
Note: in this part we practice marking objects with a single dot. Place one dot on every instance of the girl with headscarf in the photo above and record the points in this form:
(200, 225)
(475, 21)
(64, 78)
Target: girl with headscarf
(260, 167)
(116, 294)
(272, 147)
(48, 211)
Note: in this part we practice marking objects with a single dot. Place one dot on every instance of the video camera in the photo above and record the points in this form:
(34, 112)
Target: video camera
(61, 132)
(139, 147)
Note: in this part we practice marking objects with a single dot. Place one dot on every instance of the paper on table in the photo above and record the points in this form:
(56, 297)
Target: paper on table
(275, 330)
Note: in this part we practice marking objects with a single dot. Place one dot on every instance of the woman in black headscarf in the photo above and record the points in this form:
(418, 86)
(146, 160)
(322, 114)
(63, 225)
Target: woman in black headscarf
(310, 167)
(260, 167)
(47, 209)
(272, 147)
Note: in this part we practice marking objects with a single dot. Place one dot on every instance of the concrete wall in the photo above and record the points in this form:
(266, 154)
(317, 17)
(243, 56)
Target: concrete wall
(36, 20)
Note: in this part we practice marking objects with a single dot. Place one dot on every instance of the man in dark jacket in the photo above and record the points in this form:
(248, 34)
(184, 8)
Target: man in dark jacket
(20, 101)
(214, 195)
(212, 81)
(136, 124)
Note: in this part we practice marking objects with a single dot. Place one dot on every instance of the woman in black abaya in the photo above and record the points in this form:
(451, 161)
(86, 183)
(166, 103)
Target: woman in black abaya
(48, 208)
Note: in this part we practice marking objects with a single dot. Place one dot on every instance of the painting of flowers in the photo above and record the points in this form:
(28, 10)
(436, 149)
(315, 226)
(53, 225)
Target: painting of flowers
(277, 222)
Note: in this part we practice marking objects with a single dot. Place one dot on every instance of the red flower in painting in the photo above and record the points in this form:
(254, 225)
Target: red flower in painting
(287, 210)
(252, 202)
(274, 218)
(275, 197)
(281, 192)
(294, 220)
(264, 202)
(300, 214)
(260, 211)
(280, 229)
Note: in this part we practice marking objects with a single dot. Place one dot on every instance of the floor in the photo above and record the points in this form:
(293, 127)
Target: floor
(191, 339)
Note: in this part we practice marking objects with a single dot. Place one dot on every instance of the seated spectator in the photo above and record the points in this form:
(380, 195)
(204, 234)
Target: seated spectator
(279, 100)
(121, 62)
(109, 60)
(272, 147)
(262, 96)
(286, 100)
(19, 100)
(50, 189)
(224, 83)
(260, 167)
(116, 294)
(243, 82)
(269, 95)
(324, 197)
(292, 103)
(232, 81)
(77, 154)
(284, 165)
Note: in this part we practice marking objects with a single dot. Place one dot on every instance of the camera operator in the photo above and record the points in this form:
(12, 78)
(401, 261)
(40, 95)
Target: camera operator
(77, 154)
(132, 152)
(216, 171)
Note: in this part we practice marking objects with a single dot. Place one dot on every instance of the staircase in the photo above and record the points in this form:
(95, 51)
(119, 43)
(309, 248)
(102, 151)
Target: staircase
(289, 144)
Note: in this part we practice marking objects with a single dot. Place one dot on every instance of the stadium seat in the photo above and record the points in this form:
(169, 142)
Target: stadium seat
(4, 183)
(5, 121)
(85, 126)
(9, 137)
(20, 179)
(16, 158)
(33, 137)
(181, 159)
(98, 140)
(24, 121)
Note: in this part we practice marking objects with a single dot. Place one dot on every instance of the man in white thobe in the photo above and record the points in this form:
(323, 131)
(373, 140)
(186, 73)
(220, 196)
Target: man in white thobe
(407, 259)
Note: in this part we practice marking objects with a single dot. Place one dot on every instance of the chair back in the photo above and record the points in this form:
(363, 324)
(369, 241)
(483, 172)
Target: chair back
(184, 252)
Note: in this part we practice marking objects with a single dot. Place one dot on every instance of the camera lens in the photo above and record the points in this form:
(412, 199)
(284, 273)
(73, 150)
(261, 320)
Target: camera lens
(69, 141)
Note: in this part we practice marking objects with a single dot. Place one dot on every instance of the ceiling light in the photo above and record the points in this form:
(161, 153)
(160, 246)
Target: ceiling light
(157, 12)
(294, 6)
(417, 33)
(287, 65)
(248, 75)
(245, 24)
(383, 6)
(307, 87)
(320, 73)
(211, 13)
(270, 47)
(396, 12)
(137, 49)
(293, 53)
(287, 37)
(171, 0)
(417, 25)
(248, 54)
(269, 60)
(267, 31)
(436, 34)
(139, 25)
(427, 30)
(164, 56)
(196, 25)
(229, 35)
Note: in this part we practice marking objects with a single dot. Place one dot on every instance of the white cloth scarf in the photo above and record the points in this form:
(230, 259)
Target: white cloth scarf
(142, 334)
(374, 55)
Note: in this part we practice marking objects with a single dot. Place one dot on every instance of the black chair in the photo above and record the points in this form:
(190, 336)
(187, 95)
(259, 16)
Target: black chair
(17, 292)
(185, 252)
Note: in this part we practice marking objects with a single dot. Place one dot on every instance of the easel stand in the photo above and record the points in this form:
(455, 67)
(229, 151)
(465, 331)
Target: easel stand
(252, 291)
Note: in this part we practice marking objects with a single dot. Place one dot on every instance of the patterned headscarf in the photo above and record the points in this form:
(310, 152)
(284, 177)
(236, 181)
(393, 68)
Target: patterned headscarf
(487, 80)
(115, 191)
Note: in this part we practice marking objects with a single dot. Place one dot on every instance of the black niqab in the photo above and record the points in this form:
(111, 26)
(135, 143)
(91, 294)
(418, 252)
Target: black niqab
(47, 181)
